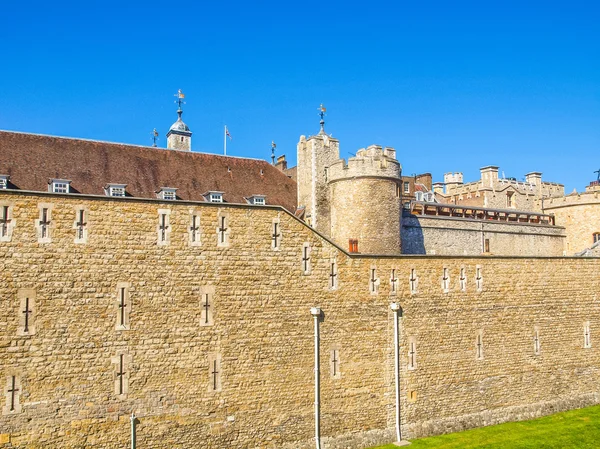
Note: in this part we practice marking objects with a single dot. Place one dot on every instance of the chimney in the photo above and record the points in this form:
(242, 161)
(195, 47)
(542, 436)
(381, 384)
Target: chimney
(281, 163)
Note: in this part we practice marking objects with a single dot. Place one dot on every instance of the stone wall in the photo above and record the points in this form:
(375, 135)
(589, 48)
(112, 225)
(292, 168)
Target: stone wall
(461, 236)
(260, 332)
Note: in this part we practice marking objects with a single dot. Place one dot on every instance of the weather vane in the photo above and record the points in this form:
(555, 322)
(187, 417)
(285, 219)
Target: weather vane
(273, 146)
(154, 137)
(598, 171)
(322, 110)
(180, 96)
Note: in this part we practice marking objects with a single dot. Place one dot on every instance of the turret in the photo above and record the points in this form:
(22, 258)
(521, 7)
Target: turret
(179, 136)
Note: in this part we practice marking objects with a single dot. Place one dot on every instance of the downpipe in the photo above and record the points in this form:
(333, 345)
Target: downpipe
(316, 313)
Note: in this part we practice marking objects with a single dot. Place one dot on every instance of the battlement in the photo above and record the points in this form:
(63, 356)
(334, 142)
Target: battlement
(453, 178)
(371, 161)
(587, 197)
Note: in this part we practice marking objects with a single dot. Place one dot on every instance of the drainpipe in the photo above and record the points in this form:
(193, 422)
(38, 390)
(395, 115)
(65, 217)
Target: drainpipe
(133, 418)
(396, 309)
(316, 313)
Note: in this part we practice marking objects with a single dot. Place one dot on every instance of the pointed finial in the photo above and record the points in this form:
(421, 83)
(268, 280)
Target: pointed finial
(180, 96)
(273, 146)
(322, 110)
(154, 137)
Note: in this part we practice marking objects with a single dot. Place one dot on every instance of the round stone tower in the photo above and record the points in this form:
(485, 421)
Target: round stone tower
(365, 200)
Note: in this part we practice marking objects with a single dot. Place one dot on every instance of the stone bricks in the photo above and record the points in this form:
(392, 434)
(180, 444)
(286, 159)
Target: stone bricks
(262, 333)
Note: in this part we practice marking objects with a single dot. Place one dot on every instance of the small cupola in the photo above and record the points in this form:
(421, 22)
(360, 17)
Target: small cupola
(179, 136)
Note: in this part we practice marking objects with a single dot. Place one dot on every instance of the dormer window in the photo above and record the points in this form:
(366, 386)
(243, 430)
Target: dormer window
(59, 186)
(117, 190)
(167, 193)
(257, 200)
(419, 196)
(3, 182)
(214, 197)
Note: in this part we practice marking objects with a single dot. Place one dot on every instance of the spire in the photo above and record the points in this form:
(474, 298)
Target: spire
(322, 110)
(179, 136)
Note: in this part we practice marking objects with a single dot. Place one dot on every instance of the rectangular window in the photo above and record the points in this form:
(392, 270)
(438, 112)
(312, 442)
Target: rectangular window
(259, 201)
(406, 187)
(486, 245)
(3, 182)
(596, 236)
(169, 195)
(216, 198)
(60, 187)
(116, 191)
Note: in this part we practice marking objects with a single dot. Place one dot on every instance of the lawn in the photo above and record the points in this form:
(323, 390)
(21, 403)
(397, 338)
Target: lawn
(572, 429)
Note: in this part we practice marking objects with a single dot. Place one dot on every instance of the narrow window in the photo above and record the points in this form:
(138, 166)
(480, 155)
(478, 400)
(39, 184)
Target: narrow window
(587, 335)
(398, 191)
(80, 225)
(214, 372)
(12, 394)
(194, 230)
(596, 236)
(43, 224)
(276, 234)
(207, 307)
(406, 187)
(479, 346)
(373, 282)
(478, 279)
(536, 341)
(223, 230)
(334, 363)
(412, 353)
(486, 245)
(393, 282)
(121, 363)
(6, 223)
(123, 306)
(306, 258)
(27, 311)
(163, 226)
(463, 280)
(333, 274)
(446, 281)
(413, 281)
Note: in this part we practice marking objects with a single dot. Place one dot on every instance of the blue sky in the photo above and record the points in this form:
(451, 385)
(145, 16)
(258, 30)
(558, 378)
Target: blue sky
(453, 86)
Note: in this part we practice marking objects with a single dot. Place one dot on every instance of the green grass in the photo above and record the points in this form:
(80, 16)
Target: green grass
(567, 430)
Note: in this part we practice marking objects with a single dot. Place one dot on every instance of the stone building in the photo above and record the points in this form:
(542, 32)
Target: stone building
(579, 213)
(497, 193)
(178, 286)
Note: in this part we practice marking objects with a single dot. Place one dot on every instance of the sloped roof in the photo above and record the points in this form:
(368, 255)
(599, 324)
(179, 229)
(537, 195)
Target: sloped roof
(31, 160)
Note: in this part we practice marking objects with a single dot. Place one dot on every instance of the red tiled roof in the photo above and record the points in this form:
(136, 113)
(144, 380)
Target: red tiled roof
(31, 160)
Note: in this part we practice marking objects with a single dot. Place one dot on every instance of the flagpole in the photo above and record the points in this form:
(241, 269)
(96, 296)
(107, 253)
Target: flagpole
(225, 141)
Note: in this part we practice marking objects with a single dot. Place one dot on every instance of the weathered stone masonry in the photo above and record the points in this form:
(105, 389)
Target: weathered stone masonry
(81, 373)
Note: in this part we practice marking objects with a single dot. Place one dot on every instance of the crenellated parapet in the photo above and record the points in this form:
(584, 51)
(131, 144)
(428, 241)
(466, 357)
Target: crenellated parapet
(373, 161)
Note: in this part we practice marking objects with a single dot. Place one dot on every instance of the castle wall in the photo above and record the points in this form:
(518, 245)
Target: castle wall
(438, 235)
(262, 332)
(580, 215)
